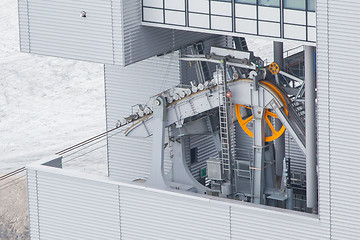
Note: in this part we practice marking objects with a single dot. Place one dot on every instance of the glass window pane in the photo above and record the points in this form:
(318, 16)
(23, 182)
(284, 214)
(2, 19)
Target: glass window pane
(246, 1)
(222, 0)
(269, 3)
(295, 4)
(311, 5)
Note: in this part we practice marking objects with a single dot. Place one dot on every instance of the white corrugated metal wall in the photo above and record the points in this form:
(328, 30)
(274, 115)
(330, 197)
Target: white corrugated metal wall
(130, 158)
(323, 136)
(322, 59)
(339, 127)
(23, 25)
(155, 215)
(74, 200)
(73, 206)
(33, 203)
(56, 29)
(110, 33)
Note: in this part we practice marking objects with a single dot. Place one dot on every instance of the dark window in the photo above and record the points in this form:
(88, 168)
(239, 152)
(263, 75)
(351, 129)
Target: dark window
(295, 4)
(269, 3)
(193, 155)
(311, 5)
(246, 1)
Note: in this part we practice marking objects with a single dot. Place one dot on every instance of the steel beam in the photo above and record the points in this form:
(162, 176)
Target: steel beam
(310, 127)
(157, 176)
(279, 142)
(259, 144)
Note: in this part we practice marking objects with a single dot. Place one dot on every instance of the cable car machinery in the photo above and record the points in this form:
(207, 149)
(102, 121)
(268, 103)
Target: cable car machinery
(243, 91)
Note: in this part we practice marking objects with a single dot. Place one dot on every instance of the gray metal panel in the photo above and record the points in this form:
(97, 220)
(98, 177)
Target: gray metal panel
(57, 29)
(130, 158)
(323, 126)
(151, 214)
(111, 33)
(75, 208)
(83, 207)
(33, 203)
(117, 32)
(251, 223)
(343, 122)
(141, 42)
(244, 144)
(206, 149)
(297, 157)
(23, 26)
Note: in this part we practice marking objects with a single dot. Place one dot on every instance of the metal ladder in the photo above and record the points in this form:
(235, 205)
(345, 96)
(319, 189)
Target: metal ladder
(224, 129)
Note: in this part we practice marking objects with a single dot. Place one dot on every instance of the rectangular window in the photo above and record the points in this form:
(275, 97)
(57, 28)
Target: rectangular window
(295, 4)
(311, 5)
(253, 2)
(269, 3)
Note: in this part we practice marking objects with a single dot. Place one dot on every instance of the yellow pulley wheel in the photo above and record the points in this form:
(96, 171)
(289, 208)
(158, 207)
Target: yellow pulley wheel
(244, 122)
(274, 68)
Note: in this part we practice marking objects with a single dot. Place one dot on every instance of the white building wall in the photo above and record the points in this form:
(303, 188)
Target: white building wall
(78, 206)
(33, 203)
(323, 140)
(23, 26)
(110, 33)
(339, 128)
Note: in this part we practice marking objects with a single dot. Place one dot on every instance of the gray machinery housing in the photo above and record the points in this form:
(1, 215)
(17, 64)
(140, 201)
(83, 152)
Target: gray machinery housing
(238, 105)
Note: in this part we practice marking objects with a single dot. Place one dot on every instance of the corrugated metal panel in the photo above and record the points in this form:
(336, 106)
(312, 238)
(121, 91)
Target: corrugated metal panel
(344, 125)
(130, 158)
(141, 42)
(57, 29)
(147, 214)
(322, 58)
(206, 149)
(244, 144)
(111, 33)
(117, 32)
(297, 157)
(75, 208)
(33, 203)
(23, 26)
(72, 207)
(253, 223)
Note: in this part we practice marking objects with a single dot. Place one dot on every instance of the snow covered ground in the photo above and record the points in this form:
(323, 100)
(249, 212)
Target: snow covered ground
(48, 103)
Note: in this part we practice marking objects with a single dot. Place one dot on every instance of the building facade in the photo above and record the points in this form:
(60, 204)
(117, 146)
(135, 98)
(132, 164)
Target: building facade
(131, 38)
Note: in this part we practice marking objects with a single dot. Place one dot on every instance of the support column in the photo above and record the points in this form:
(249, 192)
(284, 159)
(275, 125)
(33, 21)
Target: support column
(280, 142)
(180, 171)
(259, 144)
(157, 176)
(310, 124)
